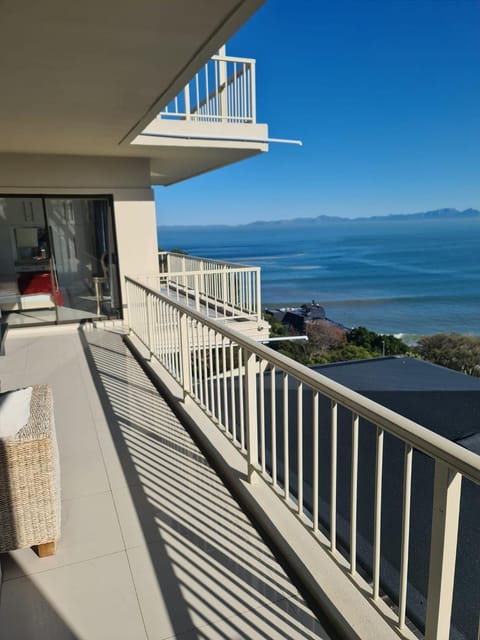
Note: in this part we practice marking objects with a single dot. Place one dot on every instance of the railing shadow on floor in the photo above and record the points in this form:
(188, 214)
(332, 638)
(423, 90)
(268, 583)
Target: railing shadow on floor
(211, 566)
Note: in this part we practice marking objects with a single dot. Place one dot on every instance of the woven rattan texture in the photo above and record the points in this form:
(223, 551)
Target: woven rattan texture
(29, 479)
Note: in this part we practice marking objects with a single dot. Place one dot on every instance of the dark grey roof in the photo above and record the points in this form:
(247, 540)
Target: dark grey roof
(445, 401)
(397, 374)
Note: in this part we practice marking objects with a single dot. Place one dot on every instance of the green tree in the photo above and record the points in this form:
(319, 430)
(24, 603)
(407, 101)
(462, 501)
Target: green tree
(349, 352)
(377, 343)
(329, 343)
(454, 351)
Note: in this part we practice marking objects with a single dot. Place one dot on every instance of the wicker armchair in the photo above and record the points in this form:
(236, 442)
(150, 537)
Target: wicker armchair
(29, 481)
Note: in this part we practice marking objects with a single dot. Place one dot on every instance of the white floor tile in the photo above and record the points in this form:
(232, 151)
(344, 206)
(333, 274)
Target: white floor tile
(90, 529)
(92, 600)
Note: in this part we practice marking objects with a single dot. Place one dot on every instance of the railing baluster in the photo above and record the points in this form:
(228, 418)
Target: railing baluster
(241, 382)
(315, 461)
(232, 392)
(253, 92)
(261, 397)
(184, 350)
(286, 452)
(377, 529)
(224, 383)
(354, 495)
(300, 447)
(235, 100)
(187, 101)
(170, 340)
(194, 360)
(251, 412)
(443, 551)
(205, 366)
(197, 93)
(217, 378)
(211, 376)
(333, 476)
(244, 90)
(407, 488)
(273, 417)
(200, 368)
(207, 92)
(149, 326)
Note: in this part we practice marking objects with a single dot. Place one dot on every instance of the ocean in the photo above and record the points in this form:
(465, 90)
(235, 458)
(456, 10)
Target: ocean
(409, 278)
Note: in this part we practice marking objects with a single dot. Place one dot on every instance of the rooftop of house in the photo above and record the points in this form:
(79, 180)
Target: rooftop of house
(397, 373)
(445, 401)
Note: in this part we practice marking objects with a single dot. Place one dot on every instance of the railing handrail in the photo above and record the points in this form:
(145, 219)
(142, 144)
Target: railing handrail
(233, 59)
(187, 256)
(436, 446)
(200, 272)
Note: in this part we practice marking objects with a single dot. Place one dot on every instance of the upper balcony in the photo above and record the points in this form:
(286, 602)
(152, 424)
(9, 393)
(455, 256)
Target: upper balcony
(211, 122)
(107, 72)
(223, 92)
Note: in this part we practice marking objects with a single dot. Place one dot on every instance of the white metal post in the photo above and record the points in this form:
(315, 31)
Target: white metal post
(187, 102)
(222, 82)
(258, 295)
(197, 292)
(149, 325)
(129, 307)
(253, 92)
(443, 551)
(184, 347)
(251, 412)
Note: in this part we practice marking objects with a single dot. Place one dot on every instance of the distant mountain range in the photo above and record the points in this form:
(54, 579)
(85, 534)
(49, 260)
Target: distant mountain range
(437, 214)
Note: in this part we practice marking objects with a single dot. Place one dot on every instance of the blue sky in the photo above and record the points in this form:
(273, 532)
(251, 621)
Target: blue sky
(384, 94)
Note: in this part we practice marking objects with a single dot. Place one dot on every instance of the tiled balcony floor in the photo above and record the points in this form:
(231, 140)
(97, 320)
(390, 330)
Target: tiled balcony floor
(153, 544)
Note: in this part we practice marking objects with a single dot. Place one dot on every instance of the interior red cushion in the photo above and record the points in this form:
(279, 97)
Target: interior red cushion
(39, 282)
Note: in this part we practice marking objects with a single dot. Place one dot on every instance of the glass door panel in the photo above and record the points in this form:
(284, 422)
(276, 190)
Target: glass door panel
(81, 235)
(26, 286)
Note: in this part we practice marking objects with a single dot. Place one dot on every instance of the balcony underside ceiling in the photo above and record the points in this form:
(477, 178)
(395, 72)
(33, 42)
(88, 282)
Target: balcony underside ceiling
(179, 163)
(85, 78)
(187, 148)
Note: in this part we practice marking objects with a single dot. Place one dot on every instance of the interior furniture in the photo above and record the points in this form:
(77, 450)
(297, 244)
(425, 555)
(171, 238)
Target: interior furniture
(29, 480)
(29, 290)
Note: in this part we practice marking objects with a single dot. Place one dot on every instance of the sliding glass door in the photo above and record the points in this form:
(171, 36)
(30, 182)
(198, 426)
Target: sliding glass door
(58, 259)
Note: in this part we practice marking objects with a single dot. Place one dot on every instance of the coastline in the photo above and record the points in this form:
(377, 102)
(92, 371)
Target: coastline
(401, 330)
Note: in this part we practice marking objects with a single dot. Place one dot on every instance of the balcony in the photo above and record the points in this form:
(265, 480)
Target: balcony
(154, 545)
(210, 123)
(226, 292)
(222, 91)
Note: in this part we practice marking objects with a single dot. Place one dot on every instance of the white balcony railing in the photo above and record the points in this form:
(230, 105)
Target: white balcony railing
(221, 289)
(222, 91)
(342, 462)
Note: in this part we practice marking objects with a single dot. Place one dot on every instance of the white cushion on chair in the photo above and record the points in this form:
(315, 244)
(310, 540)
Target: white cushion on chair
(14, 411)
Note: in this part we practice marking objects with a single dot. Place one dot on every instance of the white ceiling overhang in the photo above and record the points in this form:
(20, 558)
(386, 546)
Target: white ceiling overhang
(86, 77)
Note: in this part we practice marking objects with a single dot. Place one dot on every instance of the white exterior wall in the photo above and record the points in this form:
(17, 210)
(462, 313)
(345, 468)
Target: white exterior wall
(127, 180)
